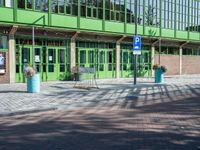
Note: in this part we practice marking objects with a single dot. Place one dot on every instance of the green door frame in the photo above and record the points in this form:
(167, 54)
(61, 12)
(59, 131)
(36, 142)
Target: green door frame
(21, 64)
(143, 64)
(101, 59)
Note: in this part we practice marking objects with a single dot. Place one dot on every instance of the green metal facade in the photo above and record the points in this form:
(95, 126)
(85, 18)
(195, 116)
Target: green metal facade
(177, 19)
(100, 26)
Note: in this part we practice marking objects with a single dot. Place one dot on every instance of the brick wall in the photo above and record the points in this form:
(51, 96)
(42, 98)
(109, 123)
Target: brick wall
(191, 65)
(171, 62)
(4, 78)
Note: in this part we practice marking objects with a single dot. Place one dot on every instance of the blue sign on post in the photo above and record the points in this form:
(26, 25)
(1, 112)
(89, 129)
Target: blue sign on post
(137, 42)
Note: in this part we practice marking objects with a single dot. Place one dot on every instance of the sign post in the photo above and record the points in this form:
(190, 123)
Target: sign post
(137, 43)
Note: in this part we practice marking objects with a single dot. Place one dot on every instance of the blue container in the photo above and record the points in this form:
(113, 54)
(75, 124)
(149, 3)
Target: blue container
(33, 84)
(159, 76)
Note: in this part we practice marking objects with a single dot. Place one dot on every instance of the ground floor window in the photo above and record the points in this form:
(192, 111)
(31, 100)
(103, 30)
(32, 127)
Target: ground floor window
(191, 51)
(3, 42)
(165, 50)
(51, 58)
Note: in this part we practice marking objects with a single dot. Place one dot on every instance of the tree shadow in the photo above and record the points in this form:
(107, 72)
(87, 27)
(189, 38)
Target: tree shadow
(93, 130)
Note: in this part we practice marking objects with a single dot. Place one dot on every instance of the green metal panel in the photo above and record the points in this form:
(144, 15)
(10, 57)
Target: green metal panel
(30, 17)
(6, 14)
(131, 29)
(91, 24)
(181, 34)
(167, 33)
(64, 21)
(20, 16)
(114, 26)
(194, 36)
(152, 31)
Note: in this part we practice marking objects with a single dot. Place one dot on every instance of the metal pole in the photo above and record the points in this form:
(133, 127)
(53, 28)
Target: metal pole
(135, 56)
(159, 51)
(33, 45)
(33, 40)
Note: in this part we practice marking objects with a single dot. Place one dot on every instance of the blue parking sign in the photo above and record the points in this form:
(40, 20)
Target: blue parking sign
(137, 45)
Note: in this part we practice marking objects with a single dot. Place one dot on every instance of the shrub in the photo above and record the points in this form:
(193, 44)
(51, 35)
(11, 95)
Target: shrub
(29, 71)
(157, 66)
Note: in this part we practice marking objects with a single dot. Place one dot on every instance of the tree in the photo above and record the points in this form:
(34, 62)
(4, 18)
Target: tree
(150, 16)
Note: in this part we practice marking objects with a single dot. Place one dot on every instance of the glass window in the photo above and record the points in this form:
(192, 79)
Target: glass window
(75, 7)
(21, 4)
(29, 4)
(37, 4)
(115, 10)
(3, 42)
(44, 5)
(82, 57)
(61, 4)
(8, 3)
(1, 2)
(61, 56)
(54, 6)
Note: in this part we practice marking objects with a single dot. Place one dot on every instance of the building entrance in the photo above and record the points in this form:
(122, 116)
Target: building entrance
(50, 62)
(103, 60)
(127, 63)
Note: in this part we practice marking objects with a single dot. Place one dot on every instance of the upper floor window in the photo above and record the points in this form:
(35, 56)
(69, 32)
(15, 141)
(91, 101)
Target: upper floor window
(6, 3)
(65, 7)
(92, 8)
(115, 10)
(39, 5)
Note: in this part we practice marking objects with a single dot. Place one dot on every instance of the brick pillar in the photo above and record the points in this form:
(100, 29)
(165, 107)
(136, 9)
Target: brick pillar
(72, 53)
(180, 60)
(11, 59)
(117, 60)
(152, 59)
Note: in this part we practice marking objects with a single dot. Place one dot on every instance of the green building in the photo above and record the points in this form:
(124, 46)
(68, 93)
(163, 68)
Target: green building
(99, 34)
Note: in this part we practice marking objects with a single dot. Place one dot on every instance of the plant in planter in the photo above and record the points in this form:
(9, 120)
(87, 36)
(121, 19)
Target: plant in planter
(159, 73)
(33, 79)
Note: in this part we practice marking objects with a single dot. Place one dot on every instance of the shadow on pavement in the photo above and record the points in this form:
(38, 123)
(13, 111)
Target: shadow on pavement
(163, 117)
(173, 125)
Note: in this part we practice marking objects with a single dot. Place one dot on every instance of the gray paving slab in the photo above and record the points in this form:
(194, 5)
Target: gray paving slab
(61, 95)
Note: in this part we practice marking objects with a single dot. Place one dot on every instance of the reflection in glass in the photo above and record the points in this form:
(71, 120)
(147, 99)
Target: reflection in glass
(82, 57)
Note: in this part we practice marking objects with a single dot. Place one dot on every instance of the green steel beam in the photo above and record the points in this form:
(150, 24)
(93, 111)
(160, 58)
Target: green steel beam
(79, 14)
(15, 3)
(144, 17)
(104, 16)
(49, 13)
(188, 32)
(125, 16)
(160, 27)
(175, 21)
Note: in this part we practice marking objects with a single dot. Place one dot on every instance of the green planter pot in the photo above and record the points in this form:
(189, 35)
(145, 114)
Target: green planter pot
(33, 84)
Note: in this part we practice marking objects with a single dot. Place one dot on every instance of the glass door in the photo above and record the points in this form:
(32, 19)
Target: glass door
(144, 64)
(37, 58)
(23, 58)
(101, 66)
(110, 64)
(63, 65)
(125, 64)
(52, 64)
(83, 58)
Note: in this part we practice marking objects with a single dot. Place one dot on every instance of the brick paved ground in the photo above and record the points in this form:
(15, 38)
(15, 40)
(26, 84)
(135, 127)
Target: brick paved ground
(118, 116)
